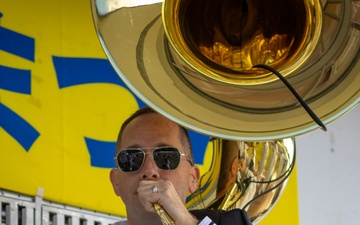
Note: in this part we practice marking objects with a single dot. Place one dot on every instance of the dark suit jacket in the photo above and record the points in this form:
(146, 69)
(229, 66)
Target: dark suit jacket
(232, 217)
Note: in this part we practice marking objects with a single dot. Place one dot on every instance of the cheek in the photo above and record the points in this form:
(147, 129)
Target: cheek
(181, 185)
(126, 187)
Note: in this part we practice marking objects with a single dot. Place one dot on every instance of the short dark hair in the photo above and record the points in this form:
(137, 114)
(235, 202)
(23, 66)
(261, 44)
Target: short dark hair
(184, 134)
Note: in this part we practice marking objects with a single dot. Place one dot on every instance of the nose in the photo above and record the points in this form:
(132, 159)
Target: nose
(149, 170)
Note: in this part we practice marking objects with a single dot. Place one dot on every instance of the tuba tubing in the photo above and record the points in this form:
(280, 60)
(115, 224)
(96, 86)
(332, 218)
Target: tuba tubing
(193, 62)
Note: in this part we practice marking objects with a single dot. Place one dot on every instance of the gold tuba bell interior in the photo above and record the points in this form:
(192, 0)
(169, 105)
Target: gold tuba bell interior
(223, 40)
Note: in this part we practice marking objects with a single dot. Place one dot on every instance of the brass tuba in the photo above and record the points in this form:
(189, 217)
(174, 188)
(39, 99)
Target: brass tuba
(203, 64)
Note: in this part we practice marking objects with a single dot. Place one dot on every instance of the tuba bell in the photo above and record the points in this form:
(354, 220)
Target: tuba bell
(203, 64)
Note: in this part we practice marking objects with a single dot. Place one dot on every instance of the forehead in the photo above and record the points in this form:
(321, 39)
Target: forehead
(150, 130)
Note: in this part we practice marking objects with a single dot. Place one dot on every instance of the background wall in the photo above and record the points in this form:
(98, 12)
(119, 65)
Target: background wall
(328, 173)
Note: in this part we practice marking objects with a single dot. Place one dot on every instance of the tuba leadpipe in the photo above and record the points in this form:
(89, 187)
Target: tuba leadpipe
(164, 216)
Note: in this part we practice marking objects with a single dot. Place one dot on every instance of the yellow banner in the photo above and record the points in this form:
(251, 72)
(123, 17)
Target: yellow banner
(61, 106)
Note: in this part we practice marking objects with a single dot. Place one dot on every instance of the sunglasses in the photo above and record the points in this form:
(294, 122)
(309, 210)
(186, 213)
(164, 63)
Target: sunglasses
(165, 158)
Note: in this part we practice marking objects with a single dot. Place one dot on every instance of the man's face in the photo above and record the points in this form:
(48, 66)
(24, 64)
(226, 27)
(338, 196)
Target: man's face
(152, 130)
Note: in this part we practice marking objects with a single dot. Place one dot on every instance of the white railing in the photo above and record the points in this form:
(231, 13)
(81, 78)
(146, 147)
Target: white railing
(17, 209)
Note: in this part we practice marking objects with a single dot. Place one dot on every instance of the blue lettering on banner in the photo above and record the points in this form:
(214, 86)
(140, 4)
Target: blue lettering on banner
(76, 71)
(17, 127)
(17, 80)
(17, 44)
(102, 153)
(70, 72)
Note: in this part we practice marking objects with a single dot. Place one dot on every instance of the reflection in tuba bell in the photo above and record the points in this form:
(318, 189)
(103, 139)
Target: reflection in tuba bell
(203, 64)
(245, 175)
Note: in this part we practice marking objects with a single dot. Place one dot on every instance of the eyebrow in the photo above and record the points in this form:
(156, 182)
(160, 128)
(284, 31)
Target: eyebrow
(161, 144)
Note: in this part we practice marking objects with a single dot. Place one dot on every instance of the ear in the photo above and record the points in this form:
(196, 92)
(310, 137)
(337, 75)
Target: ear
(194, 179)
(114, 180)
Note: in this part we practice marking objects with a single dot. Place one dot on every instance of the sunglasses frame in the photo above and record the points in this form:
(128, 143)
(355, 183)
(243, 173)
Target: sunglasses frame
(152, 155)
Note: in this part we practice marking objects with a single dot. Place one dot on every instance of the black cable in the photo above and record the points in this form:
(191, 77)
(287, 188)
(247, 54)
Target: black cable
(308, 110)
(311, 114)
(288, 85)
(276, 186)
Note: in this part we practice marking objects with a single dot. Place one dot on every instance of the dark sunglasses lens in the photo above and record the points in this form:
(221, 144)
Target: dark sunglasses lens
(130, 160)
(167, 158)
